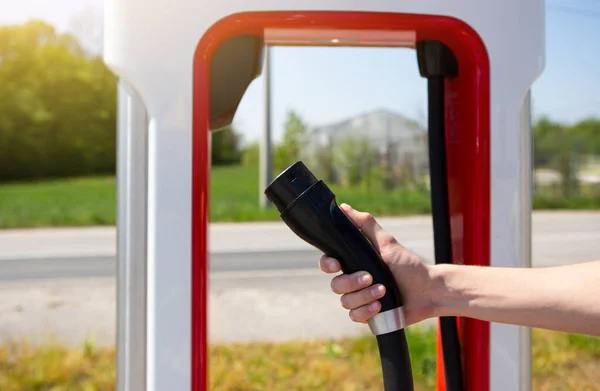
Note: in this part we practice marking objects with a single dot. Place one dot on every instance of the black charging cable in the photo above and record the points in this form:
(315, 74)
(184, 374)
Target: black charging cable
(437, 63)
(308, 206)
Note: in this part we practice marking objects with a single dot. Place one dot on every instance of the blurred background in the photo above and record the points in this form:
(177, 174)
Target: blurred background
(356, 116)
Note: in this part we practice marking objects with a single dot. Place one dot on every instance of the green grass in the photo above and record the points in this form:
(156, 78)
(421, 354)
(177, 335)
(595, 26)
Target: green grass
(564, 361)
(64, 202)
(234, 198)
(575, 203)
(561, 361)
(234, 195)
(55, 367)
(347, 364)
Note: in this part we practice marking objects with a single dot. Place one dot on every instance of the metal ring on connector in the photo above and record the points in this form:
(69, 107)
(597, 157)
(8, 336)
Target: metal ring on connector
(387, 321)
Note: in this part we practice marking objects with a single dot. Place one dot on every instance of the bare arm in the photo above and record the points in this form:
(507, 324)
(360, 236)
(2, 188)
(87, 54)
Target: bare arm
(563, 298)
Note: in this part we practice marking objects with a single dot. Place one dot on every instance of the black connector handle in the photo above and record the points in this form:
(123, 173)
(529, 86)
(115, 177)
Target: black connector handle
(309, 208)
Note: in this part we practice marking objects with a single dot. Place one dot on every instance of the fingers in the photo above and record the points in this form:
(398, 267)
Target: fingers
(369, 227)
(329, 265)
(347, 283)
(364, 313)
(363, 297)
(358, 295)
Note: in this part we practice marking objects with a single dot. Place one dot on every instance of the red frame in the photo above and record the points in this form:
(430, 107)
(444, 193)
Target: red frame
(468, 144)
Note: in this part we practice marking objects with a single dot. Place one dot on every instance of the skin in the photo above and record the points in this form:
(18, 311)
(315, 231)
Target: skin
(562, 298)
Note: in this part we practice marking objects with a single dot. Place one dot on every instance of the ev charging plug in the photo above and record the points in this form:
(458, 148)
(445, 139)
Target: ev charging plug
(309, 208)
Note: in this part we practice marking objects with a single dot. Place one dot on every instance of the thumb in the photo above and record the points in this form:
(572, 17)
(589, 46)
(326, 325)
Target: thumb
(369, 227)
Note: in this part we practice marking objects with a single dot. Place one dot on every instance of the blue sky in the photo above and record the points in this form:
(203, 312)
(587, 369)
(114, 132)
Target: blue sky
(325, 85)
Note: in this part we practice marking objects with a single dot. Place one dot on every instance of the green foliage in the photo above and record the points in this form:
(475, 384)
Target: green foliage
(294, 140)
(321, 163)
(573, 203)
(564, 361)
(553, 147)
(422, 347)
(560, 361)
(342, 364)
(549, 141)
(586, 343)
(587, 135)
(560, 147)
(250, 156)
(353, 157)
(552, 138)
(56, 367)
(225, 147)
(376, 180)
(234, 197)
(57, 106)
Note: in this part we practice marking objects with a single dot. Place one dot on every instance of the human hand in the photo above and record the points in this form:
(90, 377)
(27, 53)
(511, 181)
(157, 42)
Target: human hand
(414, 277)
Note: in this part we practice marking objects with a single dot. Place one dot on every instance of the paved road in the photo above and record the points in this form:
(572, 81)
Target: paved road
(265, 284)
(548, 250)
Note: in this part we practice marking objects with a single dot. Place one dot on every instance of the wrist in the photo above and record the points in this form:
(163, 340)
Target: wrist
(447, 294)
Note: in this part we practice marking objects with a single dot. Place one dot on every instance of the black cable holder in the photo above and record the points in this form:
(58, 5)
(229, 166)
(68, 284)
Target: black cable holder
(437, 63)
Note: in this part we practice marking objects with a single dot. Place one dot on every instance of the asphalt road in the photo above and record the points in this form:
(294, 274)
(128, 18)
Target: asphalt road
(548, 250)
(268, 286)
(75, 267)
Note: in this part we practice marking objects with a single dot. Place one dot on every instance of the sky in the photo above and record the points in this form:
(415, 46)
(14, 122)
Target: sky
(325, 85)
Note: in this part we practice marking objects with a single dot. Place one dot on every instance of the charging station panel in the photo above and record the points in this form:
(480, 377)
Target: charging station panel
(176, 59)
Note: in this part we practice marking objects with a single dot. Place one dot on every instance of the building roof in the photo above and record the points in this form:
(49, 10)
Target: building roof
(376, 125)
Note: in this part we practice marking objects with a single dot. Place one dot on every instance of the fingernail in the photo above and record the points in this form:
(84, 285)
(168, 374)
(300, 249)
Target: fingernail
(377, 290)
(365, 279)
(374, 306)
(330, 264)
(346, 206)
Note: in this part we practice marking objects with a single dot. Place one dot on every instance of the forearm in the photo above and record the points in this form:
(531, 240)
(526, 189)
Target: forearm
(564, 298)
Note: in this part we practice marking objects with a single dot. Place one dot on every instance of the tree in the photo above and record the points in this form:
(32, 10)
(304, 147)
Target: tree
(293, 142)
(225, 147)
(587, 135)
(555, 146)
(321, 162)
(250, 155)
(354, 158)
(57, 106)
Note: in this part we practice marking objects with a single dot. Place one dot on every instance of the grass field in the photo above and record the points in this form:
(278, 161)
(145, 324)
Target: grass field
(560, 362)
(65, 202)
(234, 197)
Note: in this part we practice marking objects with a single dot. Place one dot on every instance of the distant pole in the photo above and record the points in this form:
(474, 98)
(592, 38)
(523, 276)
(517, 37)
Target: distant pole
(266, 160)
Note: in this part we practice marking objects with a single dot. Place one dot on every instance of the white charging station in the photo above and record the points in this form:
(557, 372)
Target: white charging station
(183, 67)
